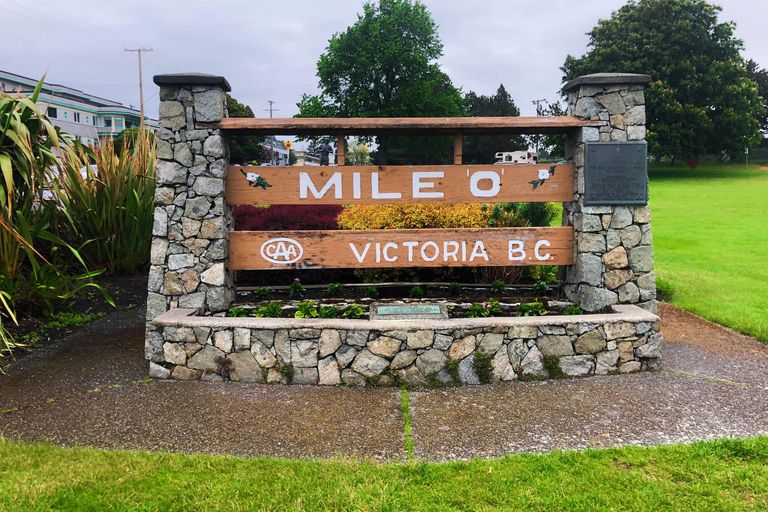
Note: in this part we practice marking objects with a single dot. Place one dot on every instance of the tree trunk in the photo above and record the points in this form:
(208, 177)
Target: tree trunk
(383, 141)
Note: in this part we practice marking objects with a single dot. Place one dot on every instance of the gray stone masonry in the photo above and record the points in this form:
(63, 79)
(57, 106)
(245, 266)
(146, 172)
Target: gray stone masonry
(613, 245)
(392, 352)
(189, 236)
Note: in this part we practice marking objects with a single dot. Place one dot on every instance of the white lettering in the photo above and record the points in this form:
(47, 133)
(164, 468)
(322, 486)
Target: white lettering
(359, 257)
(485, 175)
(388, 246)
(410, 246)
(418, 184)
(378, 252)
(539, 244)
(450, 253)
(516, 251)
(479, 251)
(356, 186)
(306, 185)
(424, 254)
(375, 189)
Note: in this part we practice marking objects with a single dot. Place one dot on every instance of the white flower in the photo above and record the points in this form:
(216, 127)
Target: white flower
(543, 174)
(251, 176)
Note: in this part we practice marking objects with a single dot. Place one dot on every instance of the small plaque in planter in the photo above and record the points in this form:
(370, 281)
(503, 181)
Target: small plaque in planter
(408, 312)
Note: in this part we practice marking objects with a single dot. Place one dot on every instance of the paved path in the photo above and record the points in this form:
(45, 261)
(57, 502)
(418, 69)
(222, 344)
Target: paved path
(89, 390)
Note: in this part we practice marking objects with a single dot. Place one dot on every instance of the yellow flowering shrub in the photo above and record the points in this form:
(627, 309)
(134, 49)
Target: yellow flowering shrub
(408, 216)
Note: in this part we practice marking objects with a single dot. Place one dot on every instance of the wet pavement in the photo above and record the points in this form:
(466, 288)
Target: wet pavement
(89, 389)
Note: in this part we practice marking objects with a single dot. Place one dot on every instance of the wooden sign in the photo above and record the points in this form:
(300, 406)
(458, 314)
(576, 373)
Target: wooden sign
(253, 250)
(400, 184)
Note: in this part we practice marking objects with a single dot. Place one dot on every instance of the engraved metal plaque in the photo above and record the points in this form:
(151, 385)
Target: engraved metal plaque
(409, 310)
(616, 173)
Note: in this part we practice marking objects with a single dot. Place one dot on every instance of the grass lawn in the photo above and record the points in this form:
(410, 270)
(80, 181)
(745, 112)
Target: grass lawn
(710, 236)
(718, 475)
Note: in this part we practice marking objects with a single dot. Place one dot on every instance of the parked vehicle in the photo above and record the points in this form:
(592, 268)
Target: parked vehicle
(516, 157)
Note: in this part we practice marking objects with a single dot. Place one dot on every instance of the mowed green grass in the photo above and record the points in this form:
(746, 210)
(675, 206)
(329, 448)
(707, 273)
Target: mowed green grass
(710, 236)
(718, 475)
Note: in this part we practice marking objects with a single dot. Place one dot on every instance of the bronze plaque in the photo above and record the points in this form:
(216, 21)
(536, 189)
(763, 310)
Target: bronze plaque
(616, 173)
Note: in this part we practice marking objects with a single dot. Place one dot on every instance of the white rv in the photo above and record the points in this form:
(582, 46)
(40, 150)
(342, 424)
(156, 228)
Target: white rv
(516, 157)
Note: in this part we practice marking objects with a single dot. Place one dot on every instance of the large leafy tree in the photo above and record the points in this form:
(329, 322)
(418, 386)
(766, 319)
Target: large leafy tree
(243, 148)
(479, 149)
(760, 77)
(700, 99)
(385, 65)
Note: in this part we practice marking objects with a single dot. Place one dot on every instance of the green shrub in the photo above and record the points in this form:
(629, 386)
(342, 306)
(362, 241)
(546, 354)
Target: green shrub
(271, 310)
(541, 287)
(237, 311)
(417, 292)
(372, 292)
(262, 293)
(335, 289)
(454, 288)
(498, 286)
(307, 309)
(296, 289)
(573, 310)
(329, 312)
(478, 310)
(531, 309)
(353, 311)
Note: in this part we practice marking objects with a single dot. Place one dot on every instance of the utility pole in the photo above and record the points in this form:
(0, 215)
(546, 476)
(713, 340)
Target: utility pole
(271, 137)
(139, 51)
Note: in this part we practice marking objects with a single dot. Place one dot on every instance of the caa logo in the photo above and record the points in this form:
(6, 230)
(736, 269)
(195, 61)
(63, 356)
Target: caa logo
(282, 251)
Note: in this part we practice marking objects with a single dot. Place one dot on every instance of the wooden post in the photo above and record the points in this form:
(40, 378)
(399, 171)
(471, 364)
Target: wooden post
(340, 150)
(458, 147)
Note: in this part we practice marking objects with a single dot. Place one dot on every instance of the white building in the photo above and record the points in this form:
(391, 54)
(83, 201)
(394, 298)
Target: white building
(85, 117)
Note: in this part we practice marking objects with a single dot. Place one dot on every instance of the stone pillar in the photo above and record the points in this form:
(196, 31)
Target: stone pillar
(612, 244)
(189, 236)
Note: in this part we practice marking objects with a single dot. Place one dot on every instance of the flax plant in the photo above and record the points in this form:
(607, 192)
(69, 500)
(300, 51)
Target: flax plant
(31, 151)
(110, 203)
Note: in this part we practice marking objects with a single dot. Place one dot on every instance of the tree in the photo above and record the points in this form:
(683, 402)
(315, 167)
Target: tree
(358, 154)
(760, 77)
(129, 137)
(243, 149)
(700, 99)
(385, 66)
(479, 149)
(553, 145)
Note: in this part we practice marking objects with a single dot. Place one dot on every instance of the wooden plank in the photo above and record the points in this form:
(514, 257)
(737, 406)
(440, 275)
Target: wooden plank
(458, 148)
(399, 184)
(340, 150)
(400, 248)
(402, 125)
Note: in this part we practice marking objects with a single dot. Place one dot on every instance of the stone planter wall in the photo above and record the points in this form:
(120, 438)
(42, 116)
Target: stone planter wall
(390, 352)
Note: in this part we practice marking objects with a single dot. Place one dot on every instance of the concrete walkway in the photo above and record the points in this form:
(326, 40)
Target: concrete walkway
(90, 390)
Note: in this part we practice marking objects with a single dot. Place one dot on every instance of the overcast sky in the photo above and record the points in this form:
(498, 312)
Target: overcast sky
(269, 50)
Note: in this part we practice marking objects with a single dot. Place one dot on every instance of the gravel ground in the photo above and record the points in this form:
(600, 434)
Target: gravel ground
(87, 390)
